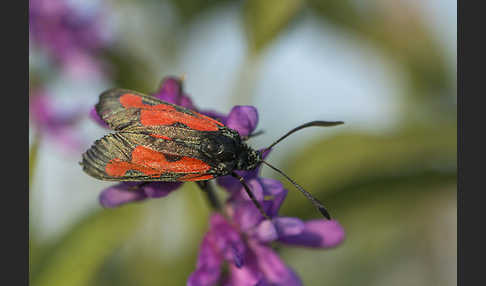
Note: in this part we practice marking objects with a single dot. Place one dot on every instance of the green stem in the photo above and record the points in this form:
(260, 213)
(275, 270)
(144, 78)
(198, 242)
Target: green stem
(207, 188)
(33, 154)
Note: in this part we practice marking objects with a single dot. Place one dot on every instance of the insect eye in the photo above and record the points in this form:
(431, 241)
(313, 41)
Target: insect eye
(227, 156)
(213, 148)
(220, 150)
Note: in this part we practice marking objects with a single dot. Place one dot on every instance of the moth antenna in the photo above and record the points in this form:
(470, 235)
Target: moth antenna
(309, 196)
(250, 194)
(305, 125)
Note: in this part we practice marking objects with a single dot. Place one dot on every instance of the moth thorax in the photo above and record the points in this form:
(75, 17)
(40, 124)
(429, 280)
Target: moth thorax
(248, 159)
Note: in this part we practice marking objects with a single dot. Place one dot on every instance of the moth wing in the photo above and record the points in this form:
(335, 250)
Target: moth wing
(124, 109)
(140, 157)
(115, 114)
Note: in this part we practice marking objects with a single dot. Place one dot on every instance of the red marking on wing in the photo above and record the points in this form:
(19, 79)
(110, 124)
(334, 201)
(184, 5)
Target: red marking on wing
(118, 168)
(192, 177)
(160, 136)
(153, 163)
(162, 114)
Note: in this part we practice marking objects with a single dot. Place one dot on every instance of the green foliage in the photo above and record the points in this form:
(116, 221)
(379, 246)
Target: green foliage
(400, 31)
(145, 263)
(337, 169)
(33, 154)
(189, 9)
(389, 191)
(78, 255)
(265, 20)
(129, 71)
(390, 235)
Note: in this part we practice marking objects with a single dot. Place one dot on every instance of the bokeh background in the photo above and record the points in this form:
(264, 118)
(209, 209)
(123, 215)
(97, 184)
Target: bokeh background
(385, 67)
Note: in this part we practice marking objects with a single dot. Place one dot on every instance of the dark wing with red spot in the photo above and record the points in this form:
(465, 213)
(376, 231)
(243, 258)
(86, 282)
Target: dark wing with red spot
(127, 110)
(140, 157)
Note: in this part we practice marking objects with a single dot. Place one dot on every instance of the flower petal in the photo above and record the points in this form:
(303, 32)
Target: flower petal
(45, 113)
(171, 86)
(238, 255)
(229, 183)
(120, 194)
(128, 192)
(266, 231)
(68, 34)
(275, 189)
(243, 118)
(274, 269)
(255, 187)
(215, 115)
(94, 115)
(317, 233)
(248, 275)
(288, 226)
(244, 276)
(160, 189)
(208, 265)
(227, 240)
(171, 91)
(265, 152)
(246, 215)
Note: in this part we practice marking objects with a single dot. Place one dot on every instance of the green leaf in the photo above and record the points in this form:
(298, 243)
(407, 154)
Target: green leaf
(265, 20)
(145, 265)
(401, 32)
(129, 70)
(348, 167)
(393, 193)
(76, 258)
(381, 234)
(190, 9)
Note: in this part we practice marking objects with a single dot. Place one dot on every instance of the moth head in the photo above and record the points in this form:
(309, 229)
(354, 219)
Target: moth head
(248, 158)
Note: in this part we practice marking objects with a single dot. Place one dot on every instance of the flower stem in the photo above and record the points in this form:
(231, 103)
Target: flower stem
(207, 188)
(33, 153)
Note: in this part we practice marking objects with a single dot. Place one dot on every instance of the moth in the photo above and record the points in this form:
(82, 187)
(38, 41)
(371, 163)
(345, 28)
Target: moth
(159, 141)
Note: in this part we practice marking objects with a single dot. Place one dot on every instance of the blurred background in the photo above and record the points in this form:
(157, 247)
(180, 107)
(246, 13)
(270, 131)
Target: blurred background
(387, 68)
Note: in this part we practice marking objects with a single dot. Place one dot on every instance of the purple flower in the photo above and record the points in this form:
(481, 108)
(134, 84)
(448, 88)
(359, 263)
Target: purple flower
(55, 122)
(242, 118)
(70, 36)
(171, 90)
(251, 260)
(94, 115)
(126, 192)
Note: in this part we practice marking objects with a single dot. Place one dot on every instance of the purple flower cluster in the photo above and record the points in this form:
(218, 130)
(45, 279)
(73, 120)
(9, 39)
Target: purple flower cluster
(242, 237)
(69, 36)
(238, 236)
(57, 123)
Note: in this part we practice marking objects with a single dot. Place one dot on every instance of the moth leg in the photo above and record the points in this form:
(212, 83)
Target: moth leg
(250, 194)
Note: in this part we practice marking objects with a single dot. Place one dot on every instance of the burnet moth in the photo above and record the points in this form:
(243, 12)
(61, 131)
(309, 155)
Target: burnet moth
(160, 141)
